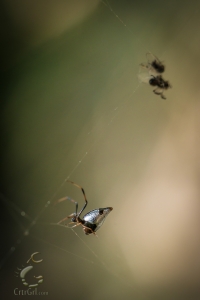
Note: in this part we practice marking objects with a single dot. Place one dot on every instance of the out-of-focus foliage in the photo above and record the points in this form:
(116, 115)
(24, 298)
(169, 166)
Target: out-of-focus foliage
(69, 79)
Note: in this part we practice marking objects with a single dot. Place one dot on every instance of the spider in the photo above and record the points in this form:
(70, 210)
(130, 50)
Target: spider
(161, 85)
(91, 221)
(154, 65)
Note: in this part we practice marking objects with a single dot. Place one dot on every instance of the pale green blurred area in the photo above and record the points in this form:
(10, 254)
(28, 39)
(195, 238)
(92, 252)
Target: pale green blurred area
(70, 88)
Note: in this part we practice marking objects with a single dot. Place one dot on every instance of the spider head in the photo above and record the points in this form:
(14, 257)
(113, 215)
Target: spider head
(73, 219)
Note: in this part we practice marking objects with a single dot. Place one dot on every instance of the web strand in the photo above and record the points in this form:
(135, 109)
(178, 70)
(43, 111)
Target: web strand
(107, 4)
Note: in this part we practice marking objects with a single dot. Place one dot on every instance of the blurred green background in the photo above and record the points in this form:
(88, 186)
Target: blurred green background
(69, 87)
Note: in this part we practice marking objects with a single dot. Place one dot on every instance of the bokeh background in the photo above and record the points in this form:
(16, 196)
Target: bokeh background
(71, 108)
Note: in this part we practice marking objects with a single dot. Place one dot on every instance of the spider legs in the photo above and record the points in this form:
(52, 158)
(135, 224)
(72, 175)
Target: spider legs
(86, 229)
(76, 224)
(74, 216)
(159, 91)
(64, 219)
(70, 199)
(86, 202)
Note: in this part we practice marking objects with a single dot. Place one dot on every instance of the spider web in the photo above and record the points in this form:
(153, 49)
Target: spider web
(89, 144)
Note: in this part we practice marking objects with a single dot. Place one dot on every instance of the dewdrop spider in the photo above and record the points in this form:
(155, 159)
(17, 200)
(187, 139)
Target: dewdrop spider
(91, 221)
